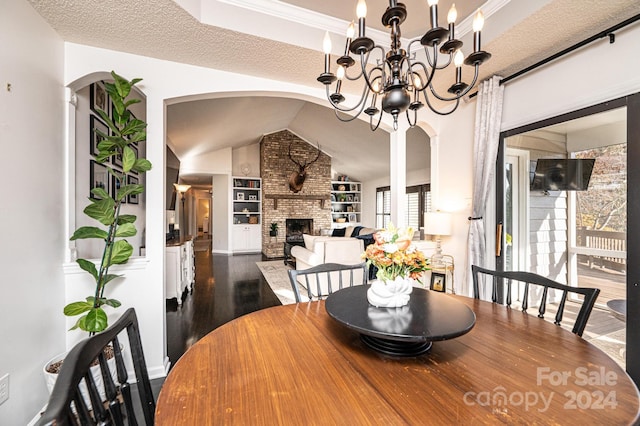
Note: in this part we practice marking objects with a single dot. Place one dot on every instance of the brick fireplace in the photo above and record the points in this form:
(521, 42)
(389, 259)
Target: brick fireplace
(279, 202)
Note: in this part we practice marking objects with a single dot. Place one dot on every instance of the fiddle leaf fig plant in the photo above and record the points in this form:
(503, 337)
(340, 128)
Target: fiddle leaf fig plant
(126, 131)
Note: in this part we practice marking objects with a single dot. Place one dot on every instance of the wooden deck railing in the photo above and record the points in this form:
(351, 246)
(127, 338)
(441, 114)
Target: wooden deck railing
(603, 248)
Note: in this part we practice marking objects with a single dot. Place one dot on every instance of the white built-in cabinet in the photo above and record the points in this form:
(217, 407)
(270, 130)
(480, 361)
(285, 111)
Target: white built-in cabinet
(246, 234)
(346, 202)
(180, 267)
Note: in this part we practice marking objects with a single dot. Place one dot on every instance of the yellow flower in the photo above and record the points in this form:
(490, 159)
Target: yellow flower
(394, 255)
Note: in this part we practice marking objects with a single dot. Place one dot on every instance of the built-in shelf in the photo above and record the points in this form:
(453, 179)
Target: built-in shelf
(346, 202)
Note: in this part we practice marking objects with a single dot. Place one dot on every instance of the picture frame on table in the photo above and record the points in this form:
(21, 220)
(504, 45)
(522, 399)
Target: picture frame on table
(356, 199)
(349, 198)
(240, 196)
(95, 138)
(253, 198)
(99, 177)
(133, 198)
(115, 186)
(352, 218)
(438, 282)
(98, 98)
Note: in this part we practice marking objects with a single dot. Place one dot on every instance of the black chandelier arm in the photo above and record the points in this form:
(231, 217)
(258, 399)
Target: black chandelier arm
(349, 117)
(373, 129)
(428, 73)
(458, 95)
(367, 77)
(432, 108)
(360, 104)
(434, 64)
(415, 117)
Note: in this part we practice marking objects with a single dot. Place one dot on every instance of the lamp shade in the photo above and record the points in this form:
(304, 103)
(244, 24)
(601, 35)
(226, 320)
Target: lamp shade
(182, 188)
(437, 223)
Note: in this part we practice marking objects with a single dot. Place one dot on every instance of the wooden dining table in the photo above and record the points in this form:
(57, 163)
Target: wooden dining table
(295, 365)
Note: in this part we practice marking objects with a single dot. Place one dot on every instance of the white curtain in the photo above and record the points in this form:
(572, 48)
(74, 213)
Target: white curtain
(485, 147)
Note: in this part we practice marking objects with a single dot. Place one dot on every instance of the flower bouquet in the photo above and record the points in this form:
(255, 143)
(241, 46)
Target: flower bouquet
(399, 263)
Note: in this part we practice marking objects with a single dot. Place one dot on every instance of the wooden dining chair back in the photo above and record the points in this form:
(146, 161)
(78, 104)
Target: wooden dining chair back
(79, 399)
(320, 281)
(507, 278)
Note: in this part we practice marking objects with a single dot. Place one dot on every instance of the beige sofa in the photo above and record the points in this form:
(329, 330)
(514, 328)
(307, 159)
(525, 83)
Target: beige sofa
(320, 249)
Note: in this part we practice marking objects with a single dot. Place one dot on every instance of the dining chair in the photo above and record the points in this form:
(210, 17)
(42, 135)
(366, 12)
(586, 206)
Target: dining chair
(322, 280)
(76, 396)
(529, 278)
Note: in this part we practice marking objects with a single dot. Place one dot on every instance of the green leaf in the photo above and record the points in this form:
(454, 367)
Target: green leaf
(142, 165)
(121, 252)
(102, 210)
(78, 323)
(126, 230)
(100, 193)
(109, 277)
(128, 159)
(126, 218)
(107, 144)
(113, 303)
(88, 266)
(89, 232)
(96, 320)
(77, 308)
(129, 190)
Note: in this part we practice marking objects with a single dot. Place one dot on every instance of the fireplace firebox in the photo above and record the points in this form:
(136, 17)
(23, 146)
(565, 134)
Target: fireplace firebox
(297, 227)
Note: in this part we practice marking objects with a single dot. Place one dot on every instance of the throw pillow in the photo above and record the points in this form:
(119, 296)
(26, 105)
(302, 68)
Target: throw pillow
(338, 232)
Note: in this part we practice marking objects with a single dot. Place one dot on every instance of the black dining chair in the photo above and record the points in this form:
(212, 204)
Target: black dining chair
(322, 280)
(528, 278)
(68, 404)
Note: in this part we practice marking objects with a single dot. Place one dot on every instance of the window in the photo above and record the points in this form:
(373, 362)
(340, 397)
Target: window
(418, 199)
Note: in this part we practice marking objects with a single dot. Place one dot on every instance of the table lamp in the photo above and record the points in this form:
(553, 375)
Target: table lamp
(438, 224)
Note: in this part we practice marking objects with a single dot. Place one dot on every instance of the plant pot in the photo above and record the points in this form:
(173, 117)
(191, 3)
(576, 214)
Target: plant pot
(390, 294)
(50, 378)
(273, 233)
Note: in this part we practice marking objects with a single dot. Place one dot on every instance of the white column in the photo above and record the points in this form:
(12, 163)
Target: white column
(398, 172)
(435, 172)
(70, 253)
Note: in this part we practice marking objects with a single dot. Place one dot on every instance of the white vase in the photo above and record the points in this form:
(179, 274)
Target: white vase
(390, 294)
(50, 378)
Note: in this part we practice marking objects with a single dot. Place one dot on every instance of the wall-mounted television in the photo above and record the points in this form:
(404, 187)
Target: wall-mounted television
(562, 174)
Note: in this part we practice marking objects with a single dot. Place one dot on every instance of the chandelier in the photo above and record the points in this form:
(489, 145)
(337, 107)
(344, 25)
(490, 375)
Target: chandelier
(398, 81)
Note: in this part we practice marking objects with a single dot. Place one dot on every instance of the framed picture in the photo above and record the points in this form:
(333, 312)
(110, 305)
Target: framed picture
(132, 199)
(240, 196)
(115, 186)
(438, 282)
(98, 97)
(356, 199)
(99, 178)
(117, 160)
(352, 218)
(253, 197)
(96, 123)
(349, 198)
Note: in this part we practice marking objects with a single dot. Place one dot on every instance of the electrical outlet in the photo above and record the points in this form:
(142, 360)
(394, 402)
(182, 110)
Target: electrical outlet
(4, 388)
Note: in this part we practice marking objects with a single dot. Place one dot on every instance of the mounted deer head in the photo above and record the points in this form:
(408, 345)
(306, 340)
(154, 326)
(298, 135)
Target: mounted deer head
(296, 179)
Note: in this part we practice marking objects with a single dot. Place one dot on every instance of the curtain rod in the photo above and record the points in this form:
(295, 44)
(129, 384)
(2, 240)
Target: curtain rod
(609, 32)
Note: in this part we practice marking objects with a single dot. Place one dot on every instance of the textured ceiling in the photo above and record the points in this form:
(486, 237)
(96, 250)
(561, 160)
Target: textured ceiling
(519, 33)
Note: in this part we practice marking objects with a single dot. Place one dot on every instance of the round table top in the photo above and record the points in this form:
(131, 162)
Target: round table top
(429, 315)
(295, 365)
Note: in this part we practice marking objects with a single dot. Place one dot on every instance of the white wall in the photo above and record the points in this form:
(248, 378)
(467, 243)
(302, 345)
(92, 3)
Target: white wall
(32, 326)
(221, 213)
(246, 155)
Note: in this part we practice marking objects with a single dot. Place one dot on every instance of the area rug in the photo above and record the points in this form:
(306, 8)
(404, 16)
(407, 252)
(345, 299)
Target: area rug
(275, 273)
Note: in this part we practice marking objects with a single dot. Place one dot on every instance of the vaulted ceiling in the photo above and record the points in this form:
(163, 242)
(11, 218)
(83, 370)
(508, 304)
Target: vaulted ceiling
(282, 40)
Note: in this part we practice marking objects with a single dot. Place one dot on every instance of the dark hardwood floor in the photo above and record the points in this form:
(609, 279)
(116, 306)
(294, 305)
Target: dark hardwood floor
(225, 288)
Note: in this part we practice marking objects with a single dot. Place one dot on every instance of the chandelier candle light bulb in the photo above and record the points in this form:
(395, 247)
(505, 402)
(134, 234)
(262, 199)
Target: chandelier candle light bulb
(478, 23)
(361, 13)
(451, 20)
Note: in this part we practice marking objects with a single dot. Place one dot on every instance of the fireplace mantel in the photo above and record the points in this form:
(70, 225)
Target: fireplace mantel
(276, 197)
